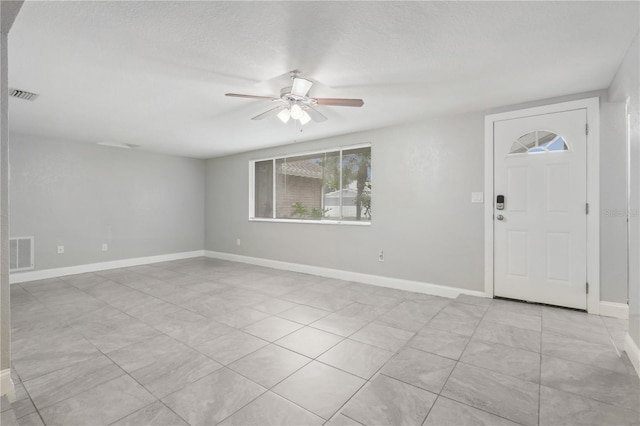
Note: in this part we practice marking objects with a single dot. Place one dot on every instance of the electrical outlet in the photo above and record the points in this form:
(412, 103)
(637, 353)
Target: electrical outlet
(238, 242)
(380, 256)
(60, 249)
(105, 247)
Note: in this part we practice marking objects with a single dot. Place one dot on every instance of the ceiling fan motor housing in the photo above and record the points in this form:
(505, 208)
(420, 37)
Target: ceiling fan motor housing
(287, 96)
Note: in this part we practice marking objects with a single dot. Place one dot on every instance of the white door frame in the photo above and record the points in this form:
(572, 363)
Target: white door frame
(592, 105)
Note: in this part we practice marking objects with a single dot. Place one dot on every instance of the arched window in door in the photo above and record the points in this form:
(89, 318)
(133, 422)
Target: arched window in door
(539, 141)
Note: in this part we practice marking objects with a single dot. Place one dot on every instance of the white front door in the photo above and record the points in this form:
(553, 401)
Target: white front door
(540, 236)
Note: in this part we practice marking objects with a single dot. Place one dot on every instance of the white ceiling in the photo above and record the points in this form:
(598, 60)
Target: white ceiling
(154, 73)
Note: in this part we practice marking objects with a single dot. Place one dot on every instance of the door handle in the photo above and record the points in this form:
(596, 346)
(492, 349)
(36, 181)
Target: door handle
(500, 217)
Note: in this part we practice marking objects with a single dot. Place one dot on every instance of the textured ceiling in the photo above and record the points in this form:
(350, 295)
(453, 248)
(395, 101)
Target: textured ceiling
(154, 73)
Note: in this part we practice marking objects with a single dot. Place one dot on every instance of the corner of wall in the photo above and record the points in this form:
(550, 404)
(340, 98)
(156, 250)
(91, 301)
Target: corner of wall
(631, 348)
(6, 385)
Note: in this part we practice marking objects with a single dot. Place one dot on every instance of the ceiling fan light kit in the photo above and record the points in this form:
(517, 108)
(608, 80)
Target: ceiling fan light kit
(304, 118)
(284, 115)
(296, 111)
(296, 105)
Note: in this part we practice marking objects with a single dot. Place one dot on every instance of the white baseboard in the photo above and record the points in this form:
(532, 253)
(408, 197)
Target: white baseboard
(6, 385)
(377, 280)
(631, 348)
(616, 310)
(21, 277)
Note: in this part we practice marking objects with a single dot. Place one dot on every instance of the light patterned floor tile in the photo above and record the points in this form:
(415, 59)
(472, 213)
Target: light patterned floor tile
(101, 405)
(356, 358)
(504, 396)
(226, 391)
(427, 371)
(386, 401)
(309, 341)
(319, 388)
(269, 365)
(447, 412)
(272, 410)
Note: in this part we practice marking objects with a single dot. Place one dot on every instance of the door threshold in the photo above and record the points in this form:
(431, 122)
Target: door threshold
(539, 304)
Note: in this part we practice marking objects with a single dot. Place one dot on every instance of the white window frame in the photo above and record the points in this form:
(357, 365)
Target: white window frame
(252, 168)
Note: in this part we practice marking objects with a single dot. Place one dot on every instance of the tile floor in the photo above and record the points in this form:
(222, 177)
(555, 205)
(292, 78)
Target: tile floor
(205, 342)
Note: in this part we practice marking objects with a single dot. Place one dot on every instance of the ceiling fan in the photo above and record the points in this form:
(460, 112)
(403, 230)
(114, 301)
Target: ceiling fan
(294, 103)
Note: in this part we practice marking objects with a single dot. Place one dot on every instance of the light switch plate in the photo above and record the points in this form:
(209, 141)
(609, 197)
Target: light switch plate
(477, 197)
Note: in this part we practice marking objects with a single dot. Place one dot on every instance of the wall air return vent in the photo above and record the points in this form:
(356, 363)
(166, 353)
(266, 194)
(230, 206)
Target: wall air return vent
(20, 254)
(23, 94)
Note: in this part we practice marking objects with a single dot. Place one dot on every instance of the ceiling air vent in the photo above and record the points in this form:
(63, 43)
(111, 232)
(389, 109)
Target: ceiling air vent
(23, 94)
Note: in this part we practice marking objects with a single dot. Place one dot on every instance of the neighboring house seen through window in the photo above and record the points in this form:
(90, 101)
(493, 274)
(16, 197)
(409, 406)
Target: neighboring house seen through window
(332, 186)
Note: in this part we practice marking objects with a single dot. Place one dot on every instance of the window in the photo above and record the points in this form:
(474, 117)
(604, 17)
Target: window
(332, 186)
(538, 141)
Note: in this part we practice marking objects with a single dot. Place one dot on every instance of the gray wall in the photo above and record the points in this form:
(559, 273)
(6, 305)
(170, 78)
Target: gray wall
(613, 202)
(422, 174)
(82, 195)
(8, 13)
(625, 86)
(5, 293)
(423, 219)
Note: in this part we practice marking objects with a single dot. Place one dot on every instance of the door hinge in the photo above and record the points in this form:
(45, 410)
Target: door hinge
(587, 287)
(586, 129)
(586, 208)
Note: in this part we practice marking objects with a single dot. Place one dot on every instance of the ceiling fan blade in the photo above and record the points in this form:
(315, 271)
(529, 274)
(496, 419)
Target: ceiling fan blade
(315, 115)
(272, 111)
(300, 86)
(340, 102)
(238, 95)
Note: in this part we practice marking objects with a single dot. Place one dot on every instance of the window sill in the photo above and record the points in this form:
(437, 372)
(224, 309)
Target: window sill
(311, 221)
